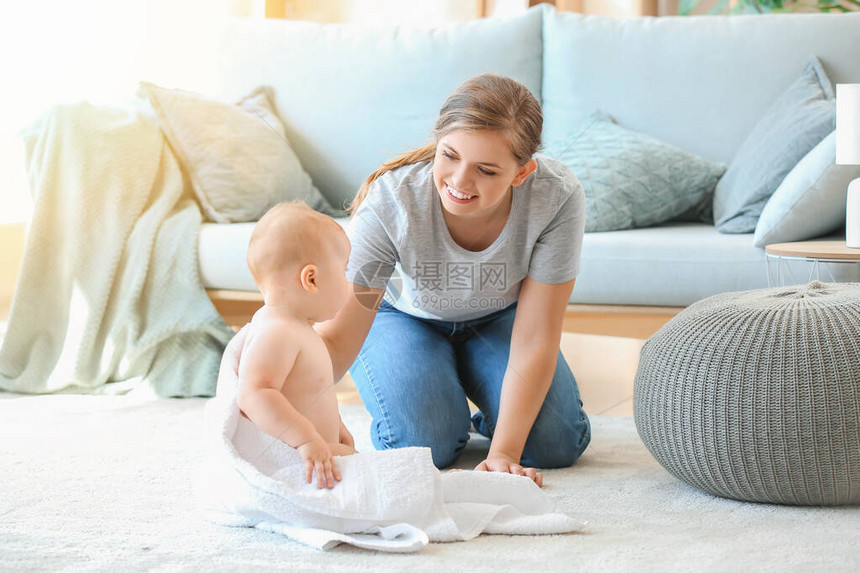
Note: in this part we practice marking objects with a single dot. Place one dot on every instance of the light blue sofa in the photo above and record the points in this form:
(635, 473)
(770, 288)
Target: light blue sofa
(352, 97)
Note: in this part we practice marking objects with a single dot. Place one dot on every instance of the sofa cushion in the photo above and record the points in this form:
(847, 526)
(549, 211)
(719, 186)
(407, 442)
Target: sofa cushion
(797, 121)
(352, 96)
(676, 265)
(672, 265)
(698, 82)
(632, 179)
(236, 156)
(638, 266)
(810, 201)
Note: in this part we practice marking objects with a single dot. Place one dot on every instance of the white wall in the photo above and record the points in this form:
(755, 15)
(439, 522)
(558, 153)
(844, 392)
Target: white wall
(413, 12)
(60, 51)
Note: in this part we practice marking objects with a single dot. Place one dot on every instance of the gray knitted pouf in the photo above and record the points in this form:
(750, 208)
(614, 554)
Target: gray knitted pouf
(756, 395)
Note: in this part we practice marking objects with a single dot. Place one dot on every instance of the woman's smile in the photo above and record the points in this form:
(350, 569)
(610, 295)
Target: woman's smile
(458, 196)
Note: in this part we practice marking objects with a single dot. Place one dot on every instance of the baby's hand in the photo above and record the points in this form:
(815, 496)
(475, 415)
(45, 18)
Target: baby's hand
(317, 457)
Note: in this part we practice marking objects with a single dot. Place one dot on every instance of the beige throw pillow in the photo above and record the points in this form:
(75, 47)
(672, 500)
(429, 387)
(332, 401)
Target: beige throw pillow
(237, 156)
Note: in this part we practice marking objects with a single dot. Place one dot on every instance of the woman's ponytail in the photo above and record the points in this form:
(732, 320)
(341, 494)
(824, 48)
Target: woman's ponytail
(426, 153)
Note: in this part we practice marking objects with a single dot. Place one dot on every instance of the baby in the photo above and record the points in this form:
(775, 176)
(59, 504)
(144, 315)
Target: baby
(298, 259)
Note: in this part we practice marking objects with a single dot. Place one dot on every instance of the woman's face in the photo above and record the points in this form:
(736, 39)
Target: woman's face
(474, 171)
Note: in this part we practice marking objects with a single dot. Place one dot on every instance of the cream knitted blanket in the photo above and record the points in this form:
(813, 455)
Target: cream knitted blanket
(109, 297)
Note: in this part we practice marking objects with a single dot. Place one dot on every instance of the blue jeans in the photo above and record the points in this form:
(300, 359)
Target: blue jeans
(414, 376)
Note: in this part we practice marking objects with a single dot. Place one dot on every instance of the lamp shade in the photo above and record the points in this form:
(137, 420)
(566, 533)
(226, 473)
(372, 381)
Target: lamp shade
(848, 124)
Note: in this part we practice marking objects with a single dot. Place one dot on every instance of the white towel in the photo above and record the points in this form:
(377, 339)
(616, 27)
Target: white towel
(392, 500)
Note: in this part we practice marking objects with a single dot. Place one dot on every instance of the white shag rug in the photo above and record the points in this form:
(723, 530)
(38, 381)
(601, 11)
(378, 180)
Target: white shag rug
(103, 483)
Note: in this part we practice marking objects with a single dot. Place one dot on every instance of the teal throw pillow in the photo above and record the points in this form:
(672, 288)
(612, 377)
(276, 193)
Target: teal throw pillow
(802, 116)
(810, 201)
(632, 179)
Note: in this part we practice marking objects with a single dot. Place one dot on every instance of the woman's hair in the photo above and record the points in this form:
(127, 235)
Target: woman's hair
(485, 102)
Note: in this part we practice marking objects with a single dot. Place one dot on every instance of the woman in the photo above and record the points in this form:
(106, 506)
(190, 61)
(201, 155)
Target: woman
(484, 240)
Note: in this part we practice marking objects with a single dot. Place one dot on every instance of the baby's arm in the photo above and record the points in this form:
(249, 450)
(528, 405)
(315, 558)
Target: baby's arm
(266, 361)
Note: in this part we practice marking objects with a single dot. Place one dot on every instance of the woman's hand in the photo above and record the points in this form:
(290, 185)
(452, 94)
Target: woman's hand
(505, 465)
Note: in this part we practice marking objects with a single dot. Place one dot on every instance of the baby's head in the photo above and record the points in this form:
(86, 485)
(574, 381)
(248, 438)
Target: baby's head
(298, 253)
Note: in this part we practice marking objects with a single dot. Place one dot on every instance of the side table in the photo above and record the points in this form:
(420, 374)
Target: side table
(820, 254)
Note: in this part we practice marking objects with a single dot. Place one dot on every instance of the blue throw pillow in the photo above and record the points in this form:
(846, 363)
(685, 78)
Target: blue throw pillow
(810, 201)
(801, 117)
(632, 179)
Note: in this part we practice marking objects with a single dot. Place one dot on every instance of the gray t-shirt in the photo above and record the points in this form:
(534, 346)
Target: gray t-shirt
(400, 241)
